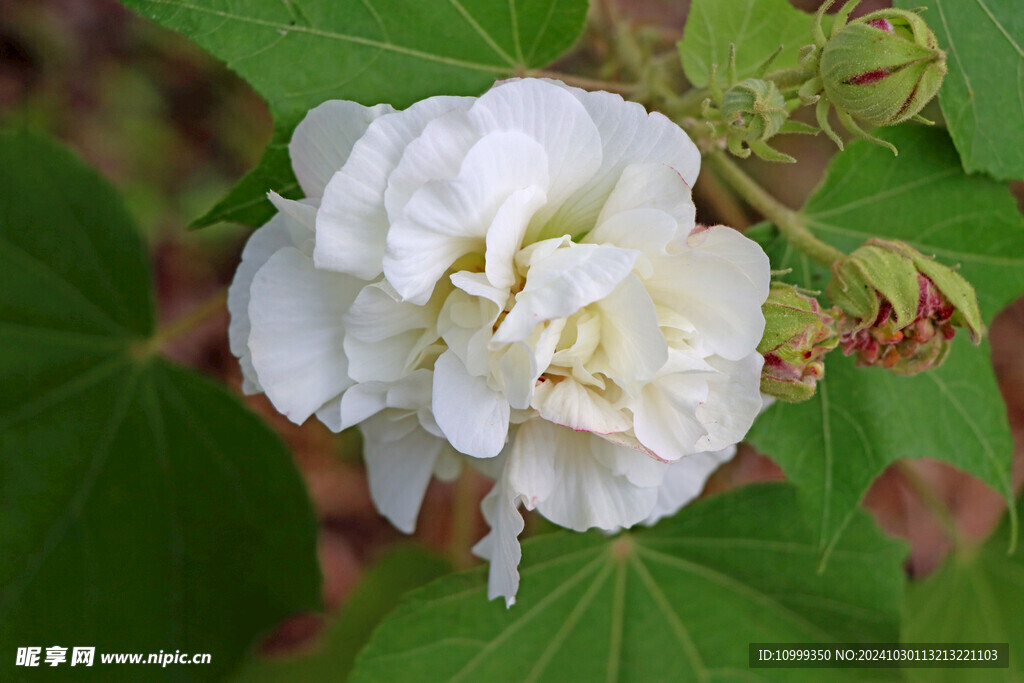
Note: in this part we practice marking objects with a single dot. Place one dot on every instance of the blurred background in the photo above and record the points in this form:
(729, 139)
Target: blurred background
(173, 129)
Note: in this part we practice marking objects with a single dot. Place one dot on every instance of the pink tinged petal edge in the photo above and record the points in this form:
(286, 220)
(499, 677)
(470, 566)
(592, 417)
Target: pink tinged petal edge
(473, 417)
(296, 338)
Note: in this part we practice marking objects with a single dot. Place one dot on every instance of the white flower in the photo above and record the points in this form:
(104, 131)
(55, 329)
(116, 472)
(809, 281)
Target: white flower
(516, 278)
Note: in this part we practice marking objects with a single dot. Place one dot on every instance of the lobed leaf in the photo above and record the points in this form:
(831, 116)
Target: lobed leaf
(680, 601)
(861, 420)
(982, 97)
(144, 509)
(299, 53)
(757, 28)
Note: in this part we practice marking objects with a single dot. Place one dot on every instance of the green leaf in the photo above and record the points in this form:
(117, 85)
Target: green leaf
(298, 53)
(982, 96)
(834, 445)
(976, 596)
(144, 508)
(378, 592)
(677, 602)
(756, 27)
(861, 420)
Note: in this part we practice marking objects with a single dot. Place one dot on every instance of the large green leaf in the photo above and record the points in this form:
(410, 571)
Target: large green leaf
(976, 596)
(861, 420)
(378, 592)
(677, 602)
(298, 53)
(982, 97)
(757, 28)
(143, 508)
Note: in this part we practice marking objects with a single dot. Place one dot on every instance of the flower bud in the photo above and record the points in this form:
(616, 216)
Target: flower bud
(754, 109)
(882, 68)
(797, 335)
(901, 308)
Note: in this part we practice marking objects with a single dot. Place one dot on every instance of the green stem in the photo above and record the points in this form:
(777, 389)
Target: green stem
(189, 321)
(790, 223)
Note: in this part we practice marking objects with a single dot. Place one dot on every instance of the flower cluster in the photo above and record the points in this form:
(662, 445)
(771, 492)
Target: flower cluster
(515, 282)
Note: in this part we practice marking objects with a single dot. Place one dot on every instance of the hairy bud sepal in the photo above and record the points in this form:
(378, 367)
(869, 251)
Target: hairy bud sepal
(798, 334)
(901, 308)
(883, 68)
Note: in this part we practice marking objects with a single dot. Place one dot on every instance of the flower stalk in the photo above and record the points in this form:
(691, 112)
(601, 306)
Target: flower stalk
(788, 221)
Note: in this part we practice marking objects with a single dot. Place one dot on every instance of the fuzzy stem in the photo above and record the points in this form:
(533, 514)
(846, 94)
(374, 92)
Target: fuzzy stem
(789, 79)
(789, 222)
(186, 323)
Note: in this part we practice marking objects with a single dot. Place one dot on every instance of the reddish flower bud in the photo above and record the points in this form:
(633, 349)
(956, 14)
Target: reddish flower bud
(900, 308)
(798, 334)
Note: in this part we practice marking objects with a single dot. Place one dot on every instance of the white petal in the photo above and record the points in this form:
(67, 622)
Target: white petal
(501, 545)
(323, 140)
(263, 244)
(649, 231)
(568, 403)
(478, 285)
(719, 297)
(651, 186)
(330, 414)
(629, 135)
(734, 401)
(384, 337)
(564, 282)
(302, 220)
(465, 324)
(555, 119)
(665, 419)
(352, 223)
(473, 417)
(444, 220)
(505, 235)
(362, 402)
(685, 479)
(296, 338)
(632, 347)
(400, 458)
(557, 470)
(437, 154)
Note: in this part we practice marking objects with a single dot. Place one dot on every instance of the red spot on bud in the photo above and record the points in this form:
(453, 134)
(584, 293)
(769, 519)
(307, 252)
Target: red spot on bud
(869, 77)
(883, 24)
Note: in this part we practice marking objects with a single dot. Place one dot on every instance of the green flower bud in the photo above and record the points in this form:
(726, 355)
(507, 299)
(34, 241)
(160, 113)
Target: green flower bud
(754, 109)
(798, 334)
(882, 68)
(900, 307)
